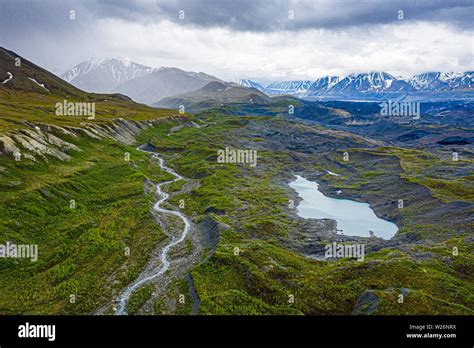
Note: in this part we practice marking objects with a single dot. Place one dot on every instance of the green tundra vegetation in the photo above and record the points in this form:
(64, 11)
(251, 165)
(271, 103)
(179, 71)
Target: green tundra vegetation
(138, 298)
(16, 107)
(265, 274)
(83, 249)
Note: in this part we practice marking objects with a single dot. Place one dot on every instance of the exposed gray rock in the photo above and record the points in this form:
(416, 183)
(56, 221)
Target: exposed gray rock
(209, 230)
(405, 291)
(367, 303)
(45, 140)
(469, 239)
(195, 300)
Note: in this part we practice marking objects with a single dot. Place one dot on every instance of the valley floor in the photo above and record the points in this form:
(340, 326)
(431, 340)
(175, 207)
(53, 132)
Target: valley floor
(248, 252)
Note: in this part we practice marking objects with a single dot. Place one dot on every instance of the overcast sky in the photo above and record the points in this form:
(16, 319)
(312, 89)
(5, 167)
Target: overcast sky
(258, 39)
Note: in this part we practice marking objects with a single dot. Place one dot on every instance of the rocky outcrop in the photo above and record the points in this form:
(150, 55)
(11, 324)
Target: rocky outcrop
(195, 300)
(9, 145)
(209, 230)
(367, 303)
(45, 140)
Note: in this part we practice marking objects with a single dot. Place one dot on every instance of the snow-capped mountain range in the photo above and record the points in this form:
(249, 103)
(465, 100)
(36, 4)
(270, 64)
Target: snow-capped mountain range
(148, 85)
(374, 82)
(368, 83)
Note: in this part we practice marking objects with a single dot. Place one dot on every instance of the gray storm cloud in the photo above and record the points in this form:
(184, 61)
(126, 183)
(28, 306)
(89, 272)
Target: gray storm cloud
(245, 15)
(233, 37)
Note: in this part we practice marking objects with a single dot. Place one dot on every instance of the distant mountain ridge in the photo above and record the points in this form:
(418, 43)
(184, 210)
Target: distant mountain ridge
(162, 83)
(142, 83)
(149, 85)
(297, 87)
(357, 85)
(374, 82)
(440, 81)
(104, 75)
(214, 94)
(323, 84)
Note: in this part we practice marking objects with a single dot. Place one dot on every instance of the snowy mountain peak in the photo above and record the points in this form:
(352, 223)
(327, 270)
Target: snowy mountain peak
(250, 84)
(373, 82)
(104, 74)
(322, 85)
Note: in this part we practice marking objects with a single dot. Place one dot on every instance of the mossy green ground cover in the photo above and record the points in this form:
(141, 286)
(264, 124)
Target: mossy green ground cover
(435, 173)
(82, 250)
(264, 275)
(16, 107)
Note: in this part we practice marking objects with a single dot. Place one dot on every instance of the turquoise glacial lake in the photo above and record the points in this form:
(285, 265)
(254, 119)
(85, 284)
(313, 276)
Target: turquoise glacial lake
(353, 218)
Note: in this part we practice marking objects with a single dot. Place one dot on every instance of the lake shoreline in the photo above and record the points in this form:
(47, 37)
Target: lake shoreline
(353, 218)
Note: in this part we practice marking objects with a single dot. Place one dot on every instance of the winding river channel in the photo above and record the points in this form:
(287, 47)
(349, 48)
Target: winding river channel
(148, 276)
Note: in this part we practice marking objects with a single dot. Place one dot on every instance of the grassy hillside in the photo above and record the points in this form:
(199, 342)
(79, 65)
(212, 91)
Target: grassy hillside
(16, 107)
(214, 94)
(22, 99)
(82, 250)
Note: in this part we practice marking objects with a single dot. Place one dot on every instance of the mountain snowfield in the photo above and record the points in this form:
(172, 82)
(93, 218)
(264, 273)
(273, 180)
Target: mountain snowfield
(298, 87)
(373, 82)
(323, 84)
